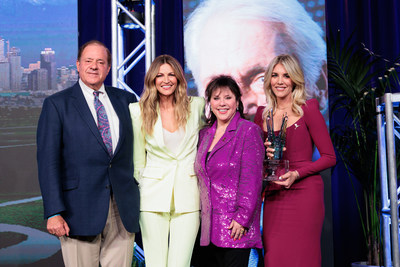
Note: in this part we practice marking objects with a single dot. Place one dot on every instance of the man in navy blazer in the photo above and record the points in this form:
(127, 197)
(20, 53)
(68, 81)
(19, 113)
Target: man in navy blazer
(90, 198)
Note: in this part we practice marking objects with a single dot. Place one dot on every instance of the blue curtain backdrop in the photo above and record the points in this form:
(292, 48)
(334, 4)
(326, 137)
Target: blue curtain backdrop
(375, 23)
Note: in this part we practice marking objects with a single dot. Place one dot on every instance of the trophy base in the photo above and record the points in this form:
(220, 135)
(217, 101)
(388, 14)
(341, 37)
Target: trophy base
(272, 178)
(274, 169)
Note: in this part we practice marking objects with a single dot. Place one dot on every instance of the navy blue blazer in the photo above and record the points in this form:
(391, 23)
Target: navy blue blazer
(76, 173)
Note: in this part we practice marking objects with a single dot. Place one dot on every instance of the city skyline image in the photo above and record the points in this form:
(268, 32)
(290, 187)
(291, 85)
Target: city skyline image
(38, 49)
(33, 26)
(38, 42)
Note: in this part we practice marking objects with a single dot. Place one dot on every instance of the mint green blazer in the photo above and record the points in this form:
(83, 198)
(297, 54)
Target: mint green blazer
(162, 176)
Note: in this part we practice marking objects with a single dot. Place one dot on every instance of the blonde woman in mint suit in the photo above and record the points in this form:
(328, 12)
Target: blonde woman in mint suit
(166, 123)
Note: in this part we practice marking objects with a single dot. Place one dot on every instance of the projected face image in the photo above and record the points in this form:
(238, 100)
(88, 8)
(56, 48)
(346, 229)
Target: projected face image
(248, 48)
(239, 38)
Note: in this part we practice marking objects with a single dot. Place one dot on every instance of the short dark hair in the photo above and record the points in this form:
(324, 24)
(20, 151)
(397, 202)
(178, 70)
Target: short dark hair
(80, 51)
(219, 82)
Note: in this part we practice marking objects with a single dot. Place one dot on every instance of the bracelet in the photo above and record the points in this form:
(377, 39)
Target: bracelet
(298, 175)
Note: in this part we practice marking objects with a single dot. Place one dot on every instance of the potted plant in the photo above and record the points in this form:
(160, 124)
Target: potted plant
(357, 77)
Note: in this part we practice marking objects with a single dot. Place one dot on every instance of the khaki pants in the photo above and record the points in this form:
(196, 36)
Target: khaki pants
(113, 247)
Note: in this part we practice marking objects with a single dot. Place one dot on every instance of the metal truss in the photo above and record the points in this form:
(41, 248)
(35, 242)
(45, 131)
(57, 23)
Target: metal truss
(388, 126)
(119, 65)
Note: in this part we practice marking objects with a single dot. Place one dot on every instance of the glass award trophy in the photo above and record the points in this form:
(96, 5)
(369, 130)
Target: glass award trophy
(276, 166)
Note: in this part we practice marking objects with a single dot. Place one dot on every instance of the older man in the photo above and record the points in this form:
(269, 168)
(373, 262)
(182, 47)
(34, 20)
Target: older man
(239, 38)
(84, 153)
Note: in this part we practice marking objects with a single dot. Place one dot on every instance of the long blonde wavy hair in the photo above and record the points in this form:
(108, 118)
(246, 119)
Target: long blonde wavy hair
(149, 100)
(299, 94)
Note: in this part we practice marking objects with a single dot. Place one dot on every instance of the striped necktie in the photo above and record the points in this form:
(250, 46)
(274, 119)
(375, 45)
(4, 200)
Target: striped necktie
(102, 123)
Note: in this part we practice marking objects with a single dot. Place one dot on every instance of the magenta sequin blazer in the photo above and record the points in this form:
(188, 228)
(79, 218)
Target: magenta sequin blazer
(230, 183)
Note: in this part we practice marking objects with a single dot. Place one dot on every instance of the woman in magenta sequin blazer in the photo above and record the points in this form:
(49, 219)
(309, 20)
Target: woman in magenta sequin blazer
(229, 169)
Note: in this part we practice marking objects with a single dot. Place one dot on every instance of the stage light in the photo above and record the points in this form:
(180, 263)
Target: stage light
(126, 22)
(135, 8)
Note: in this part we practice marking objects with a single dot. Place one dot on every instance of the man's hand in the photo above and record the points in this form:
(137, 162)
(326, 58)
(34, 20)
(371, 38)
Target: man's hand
(57, 226)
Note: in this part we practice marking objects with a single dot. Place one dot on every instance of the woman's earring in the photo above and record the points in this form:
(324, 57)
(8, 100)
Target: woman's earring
(237, 108)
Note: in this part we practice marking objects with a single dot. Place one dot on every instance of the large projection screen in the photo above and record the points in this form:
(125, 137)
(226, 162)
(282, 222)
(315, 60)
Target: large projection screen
(38, 47)
(239, 38)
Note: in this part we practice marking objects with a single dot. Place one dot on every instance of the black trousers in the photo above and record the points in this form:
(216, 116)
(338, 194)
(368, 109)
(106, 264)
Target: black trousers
(213, 256)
